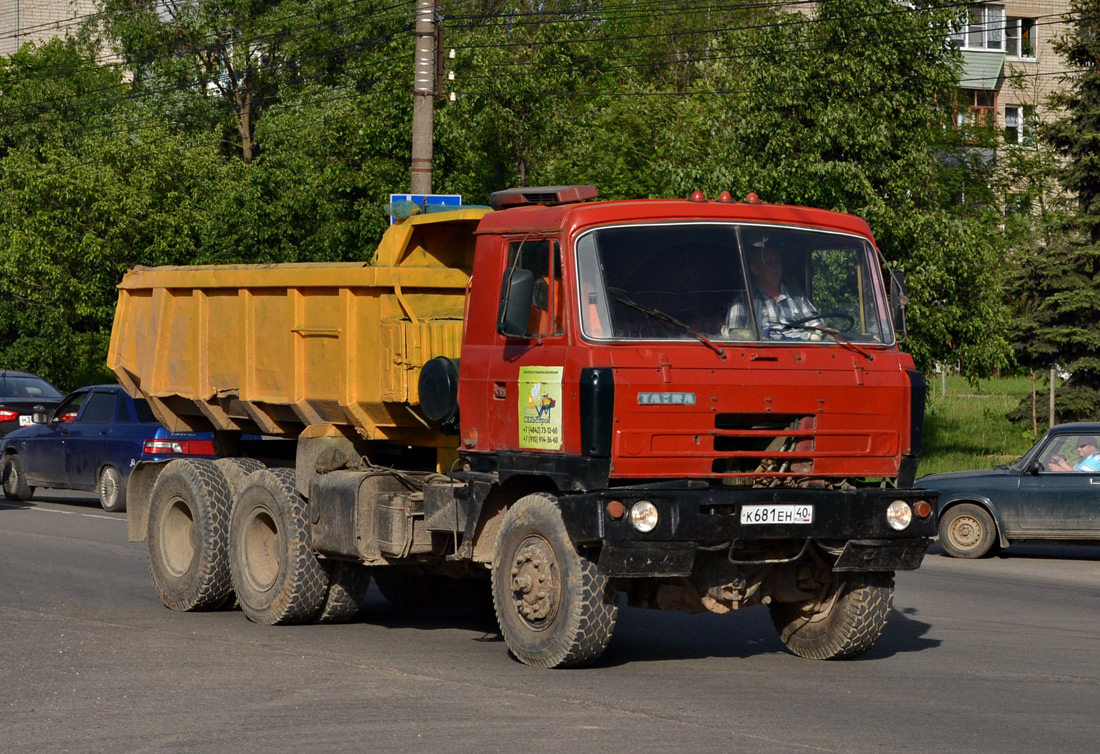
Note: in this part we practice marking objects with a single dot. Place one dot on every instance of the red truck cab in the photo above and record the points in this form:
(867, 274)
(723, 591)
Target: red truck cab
(629, 367)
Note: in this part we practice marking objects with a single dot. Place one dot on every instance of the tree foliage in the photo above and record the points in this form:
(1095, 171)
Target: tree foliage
(269, 131)
(1058, 286)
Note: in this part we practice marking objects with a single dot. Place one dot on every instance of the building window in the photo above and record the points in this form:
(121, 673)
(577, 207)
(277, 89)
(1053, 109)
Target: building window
(982, 27)
(1020, 37)
(974, 108)
(1019, 120)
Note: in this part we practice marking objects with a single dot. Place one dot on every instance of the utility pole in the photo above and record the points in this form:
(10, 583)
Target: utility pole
(423, 98)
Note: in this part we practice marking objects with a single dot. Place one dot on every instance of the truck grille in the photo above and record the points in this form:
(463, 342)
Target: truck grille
(753, 445)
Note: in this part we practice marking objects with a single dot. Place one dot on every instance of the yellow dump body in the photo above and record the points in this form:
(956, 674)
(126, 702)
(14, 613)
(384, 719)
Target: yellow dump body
(278, 348)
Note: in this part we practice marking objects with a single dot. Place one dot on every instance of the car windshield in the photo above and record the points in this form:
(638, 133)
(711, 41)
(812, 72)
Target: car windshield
(25, 386)
(730, 282)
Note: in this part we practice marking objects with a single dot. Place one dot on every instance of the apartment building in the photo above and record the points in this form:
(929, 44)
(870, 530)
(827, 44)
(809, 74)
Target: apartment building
(23, 21)
(1009, 63)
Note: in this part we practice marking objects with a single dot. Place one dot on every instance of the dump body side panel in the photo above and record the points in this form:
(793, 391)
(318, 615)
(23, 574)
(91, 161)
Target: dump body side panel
(277, 348)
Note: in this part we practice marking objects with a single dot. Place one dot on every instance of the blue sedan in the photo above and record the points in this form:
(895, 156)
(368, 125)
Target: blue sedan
(1052, 493)
(91, 441)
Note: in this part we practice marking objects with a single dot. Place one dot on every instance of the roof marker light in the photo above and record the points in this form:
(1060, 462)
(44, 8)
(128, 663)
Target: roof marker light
(697, 196)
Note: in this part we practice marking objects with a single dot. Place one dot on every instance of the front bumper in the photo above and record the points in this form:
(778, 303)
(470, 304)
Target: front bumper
(852, 522)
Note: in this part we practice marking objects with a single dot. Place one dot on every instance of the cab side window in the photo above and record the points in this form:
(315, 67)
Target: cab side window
(542, 257)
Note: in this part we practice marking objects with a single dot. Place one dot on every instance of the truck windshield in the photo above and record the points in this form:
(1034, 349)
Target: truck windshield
(729, 282)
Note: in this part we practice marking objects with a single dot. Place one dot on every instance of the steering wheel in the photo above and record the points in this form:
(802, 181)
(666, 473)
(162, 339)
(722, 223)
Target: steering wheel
(848, 320)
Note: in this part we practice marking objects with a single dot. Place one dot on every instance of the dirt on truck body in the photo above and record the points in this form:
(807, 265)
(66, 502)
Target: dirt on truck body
(557, 400)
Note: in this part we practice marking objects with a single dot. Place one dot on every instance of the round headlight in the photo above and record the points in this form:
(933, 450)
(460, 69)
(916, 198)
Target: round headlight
(899, 515)
(643, 516)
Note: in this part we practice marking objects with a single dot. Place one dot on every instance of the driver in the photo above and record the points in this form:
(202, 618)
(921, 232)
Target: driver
(1089, 453)
(776, 302)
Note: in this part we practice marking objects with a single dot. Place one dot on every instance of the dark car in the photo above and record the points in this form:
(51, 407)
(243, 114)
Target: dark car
(21, 396)
(1052, 493)
(91, 441)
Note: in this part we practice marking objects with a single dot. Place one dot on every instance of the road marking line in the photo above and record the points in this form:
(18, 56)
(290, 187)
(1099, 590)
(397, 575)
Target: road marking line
(69, 513)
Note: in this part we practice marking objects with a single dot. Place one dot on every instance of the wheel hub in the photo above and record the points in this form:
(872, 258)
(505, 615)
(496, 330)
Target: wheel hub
(108, 488)
(966, 532)
(536, 590)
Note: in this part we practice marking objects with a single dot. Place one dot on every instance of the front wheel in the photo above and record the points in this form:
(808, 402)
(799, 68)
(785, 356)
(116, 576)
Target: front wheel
(112, 490)
(968, 531)
(15, 480)
(844, 623)
(554, 608)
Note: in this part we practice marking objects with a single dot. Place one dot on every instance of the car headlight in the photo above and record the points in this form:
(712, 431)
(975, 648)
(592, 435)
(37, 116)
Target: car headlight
(899, 515)
(643, 516)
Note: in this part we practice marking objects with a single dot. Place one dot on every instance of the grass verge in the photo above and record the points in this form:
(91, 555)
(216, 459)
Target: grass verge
(965, 428)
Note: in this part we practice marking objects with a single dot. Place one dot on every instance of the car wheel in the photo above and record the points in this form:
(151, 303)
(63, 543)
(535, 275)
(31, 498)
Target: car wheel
(15, 480)
(553, 607)
(188, 536)
(276, 574)
(112, 490)
(968, 531)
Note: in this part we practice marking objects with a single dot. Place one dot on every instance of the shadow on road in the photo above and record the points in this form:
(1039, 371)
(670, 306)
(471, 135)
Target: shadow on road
(657, 635)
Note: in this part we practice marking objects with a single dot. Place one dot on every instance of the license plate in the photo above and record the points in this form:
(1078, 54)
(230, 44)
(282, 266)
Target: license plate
(777, 514)
(25, 420)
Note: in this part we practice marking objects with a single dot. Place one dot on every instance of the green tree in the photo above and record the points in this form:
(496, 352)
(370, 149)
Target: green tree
(82, 199)
(1061, 281)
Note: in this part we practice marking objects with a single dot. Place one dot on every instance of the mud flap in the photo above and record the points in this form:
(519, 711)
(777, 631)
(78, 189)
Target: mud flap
(882, 555)
(638, 559)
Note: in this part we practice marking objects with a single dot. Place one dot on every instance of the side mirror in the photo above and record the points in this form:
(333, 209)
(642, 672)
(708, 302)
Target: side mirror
(899, 300)
(516, 295)
(1035, 467)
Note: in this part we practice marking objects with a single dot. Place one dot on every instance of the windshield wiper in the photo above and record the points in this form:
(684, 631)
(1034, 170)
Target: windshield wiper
(664, 317)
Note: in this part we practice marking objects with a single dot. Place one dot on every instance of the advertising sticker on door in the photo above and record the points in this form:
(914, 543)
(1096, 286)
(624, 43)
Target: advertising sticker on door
(540, 407)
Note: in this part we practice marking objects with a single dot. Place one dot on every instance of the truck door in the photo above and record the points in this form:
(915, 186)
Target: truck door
(526, 374)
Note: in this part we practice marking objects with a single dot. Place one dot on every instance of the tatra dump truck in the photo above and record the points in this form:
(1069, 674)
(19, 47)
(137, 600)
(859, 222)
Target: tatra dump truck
(551, 398)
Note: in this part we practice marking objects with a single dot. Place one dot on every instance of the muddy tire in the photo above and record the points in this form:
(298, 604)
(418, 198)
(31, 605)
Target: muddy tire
(968, 531)
(347, 588)
(276, 575)
(844, 625)
(236, 471)
(188, 536)
(553, 607)
(14, 479)
(112, 490)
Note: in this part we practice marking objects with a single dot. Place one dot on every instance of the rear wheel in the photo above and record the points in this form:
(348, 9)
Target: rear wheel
(188, 536)
(844, 623)
(554, 608)
(112, 490)
(236, 471)
(968, 531)
(14, 480)
(347, 588)
(276, 574)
